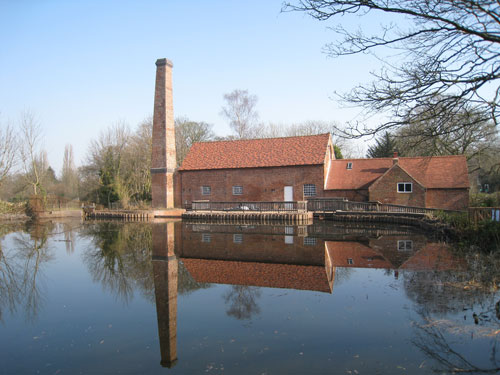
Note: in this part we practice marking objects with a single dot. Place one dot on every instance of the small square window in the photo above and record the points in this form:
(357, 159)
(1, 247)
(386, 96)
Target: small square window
(237, 238)
(350, 261)
(349, 165)
(405, 187)
(309, 241)
(206, 237)
(405, 245)
(206, 190)
(237, 190)
(309, 190)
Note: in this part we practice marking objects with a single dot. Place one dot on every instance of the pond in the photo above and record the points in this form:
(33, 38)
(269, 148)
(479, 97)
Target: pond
(179, 298)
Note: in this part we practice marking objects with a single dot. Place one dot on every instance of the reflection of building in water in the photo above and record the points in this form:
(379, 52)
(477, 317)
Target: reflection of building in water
(255, 259)
(165, 270)
(408, 252)
(277, 257)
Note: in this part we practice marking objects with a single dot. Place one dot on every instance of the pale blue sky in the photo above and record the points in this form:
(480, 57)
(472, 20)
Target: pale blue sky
(83, 65)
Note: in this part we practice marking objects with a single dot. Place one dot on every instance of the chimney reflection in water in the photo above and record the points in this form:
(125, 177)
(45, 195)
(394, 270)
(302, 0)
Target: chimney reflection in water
(165, 270)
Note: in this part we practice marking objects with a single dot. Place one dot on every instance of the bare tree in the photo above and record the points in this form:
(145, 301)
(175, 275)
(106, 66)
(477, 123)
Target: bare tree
(69, 175)
(136, 162)
(8, 149)
(241, 113)
(445, 49)
(466, 132)
(33, 157)
(104, 159)
(188, 132)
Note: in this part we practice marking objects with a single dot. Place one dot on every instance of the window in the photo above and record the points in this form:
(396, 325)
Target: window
(309, 190)
(206, 237)
(405, 187)
(309, 241)
(206, 190)
(237, 190)
(349, 165)
(405, 245)
(350, 261)
(237, 238)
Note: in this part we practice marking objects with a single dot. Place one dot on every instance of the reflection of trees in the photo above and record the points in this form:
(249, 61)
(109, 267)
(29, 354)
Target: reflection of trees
(342, 275)
(445, 291)
(10, 290)
(472, 290)
(435, 338)
(69, 237)
(120, 258)
(242, 301)
(186, 282)
(21, 270)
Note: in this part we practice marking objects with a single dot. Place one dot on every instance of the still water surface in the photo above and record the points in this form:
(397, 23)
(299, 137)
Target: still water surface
(177, 298)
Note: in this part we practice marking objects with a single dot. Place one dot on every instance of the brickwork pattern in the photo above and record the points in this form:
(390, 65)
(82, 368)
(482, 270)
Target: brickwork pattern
(259, 184)
(163, 161)
(385, 190)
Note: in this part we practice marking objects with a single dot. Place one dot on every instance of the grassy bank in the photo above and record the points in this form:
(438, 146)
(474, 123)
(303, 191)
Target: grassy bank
(483, 236)
(8, 208)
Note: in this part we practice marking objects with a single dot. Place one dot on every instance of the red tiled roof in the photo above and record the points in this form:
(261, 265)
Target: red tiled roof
(252, 153)
(271, 275)
(433, 172)
(362, 256)
(434, 256)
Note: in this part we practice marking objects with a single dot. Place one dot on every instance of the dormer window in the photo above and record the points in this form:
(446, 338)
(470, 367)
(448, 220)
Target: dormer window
(349, 165)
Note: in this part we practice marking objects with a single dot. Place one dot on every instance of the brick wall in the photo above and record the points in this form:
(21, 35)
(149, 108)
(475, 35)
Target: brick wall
(259, 184)
(360, 195)
(385, 190)
(253, 248)
(448, 199)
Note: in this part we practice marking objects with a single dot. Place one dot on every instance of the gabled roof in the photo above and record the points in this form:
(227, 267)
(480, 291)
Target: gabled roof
(433, 172)
(362, 256)
(253, 153)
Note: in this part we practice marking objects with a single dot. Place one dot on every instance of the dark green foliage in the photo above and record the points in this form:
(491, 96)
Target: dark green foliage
(384, 147)
(107, 193)
(485, 237)
(338, 152)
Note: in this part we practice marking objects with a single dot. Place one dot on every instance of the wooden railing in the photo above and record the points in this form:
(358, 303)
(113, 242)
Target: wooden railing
(478, 214)
(292, 206)
(330, 205)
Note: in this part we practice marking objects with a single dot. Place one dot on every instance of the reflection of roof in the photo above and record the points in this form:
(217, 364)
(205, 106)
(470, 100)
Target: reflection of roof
(259, 274)
(433, 257)
(252, 153)
(433, 172)
(356, 255)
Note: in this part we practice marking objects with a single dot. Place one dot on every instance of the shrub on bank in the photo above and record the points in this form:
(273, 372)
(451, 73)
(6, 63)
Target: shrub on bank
(483, 236)
(12, 208)
(484, 200)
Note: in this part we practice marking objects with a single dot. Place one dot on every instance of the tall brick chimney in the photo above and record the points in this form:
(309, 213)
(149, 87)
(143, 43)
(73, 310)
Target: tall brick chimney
(163, 160)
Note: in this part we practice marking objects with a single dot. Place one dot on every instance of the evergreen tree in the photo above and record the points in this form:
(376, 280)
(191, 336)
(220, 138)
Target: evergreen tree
(383, 148)
(337, 152)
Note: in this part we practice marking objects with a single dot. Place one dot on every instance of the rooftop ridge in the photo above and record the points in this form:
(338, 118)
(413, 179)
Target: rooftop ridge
(264, 139)
(403, 157)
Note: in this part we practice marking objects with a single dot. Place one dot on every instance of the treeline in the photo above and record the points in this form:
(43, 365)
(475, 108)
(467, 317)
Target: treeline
(466, 131)
(116, 168)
